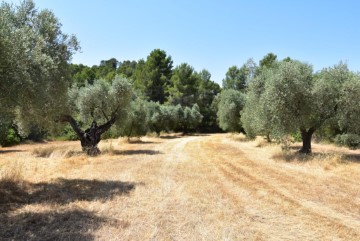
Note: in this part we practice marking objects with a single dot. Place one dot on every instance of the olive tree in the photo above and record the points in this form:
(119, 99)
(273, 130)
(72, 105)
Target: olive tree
(229, 107)
(164, 117)
(256, 116)
(349, 108)
(191, 118)
(102, 102)
(288, 94)
(34, 66)
(291, 98)
(136, 122)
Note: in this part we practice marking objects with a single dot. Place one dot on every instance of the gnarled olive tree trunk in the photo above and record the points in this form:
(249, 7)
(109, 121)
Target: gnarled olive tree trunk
(91, 136)
(306, 136)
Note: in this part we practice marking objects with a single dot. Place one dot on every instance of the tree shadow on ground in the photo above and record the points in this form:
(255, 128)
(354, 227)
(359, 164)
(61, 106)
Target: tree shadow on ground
(136, 152)
(169, 137)
(65, 191)
(352, 158)
(61, 223)
(142, 142)
(75, 224)
(61, 191)
(9, 151)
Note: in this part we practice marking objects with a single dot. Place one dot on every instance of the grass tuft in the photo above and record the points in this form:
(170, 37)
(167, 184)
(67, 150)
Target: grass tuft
(260, 142)
(108, 148)
(11, 183)
(239, 137)
(12, 172)
(43, 151)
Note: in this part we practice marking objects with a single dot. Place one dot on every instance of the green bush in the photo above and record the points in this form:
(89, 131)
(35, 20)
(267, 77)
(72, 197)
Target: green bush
(12, 138)
(350, 140)
(67, 134)
(36, 134)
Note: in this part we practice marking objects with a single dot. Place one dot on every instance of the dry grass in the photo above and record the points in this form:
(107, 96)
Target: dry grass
(12, 172)
(261, 142)
(238, 137)
(215, 187)
(54, 151)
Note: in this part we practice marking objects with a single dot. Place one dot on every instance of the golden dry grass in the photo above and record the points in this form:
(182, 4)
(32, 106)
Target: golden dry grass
(215, 187)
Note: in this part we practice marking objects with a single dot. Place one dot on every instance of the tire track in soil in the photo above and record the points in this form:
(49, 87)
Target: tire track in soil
(280, 198)
(303, 183)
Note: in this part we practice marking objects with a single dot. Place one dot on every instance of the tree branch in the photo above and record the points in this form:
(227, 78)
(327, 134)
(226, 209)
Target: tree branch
(101, 129)
(73, 123)
(104, 114)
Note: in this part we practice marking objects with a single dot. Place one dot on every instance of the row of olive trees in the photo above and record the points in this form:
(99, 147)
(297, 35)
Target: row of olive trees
(287, 97)
(144, 117)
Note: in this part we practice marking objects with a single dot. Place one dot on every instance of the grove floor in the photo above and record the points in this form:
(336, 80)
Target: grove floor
(202, 187)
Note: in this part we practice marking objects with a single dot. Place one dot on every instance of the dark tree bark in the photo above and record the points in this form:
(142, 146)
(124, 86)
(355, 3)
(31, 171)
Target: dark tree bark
(306, 136)
(91, 136)
(268, 138)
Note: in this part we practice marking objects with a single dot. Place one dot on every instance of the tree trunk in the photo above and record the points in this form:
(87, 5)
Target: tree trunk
(130, 132)
(268, 138)
(90, 137)
(90, 148)
(185, 130)
(306, 139)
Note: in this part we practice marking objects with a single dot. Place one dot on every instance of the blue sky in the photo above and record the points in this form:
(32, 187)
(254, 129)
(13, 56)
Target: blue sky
(213, 35)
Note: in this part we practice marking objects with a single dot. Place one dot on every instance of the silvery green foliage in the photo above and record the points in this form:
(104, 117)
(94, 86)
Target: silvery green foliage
(102, 100)
(191, 118)
(196, 116)
(288, 97)
(326, 92)
(155, 117)
(255, 116)
(173, 117)
(164, 117)
(349, 140)
(169, 117)
(33, 65)
(349, 106)
(136, 122)
(229, 107)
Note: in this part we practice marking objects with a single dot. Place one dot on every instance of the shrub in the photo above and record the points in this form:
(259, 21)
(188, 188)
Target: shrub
(350, 140)
(12, 138)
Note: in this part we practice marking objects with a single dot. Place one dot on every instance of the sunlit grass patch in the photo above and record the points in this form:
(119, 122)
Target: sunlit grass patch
(327, 161)
(55, 151)
(12, 172)
(43, 151)
(261, 142)
(238, 137)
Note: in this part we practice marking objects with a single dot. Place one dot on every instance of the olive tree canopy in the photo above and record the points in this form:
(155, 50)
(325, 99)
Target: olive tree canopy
(103, 102)
(288, 97)
(34, 70)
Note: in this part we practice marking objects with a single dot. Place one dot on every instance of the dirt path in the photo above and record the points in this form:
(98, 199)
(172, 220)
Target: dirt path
(207, 188)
